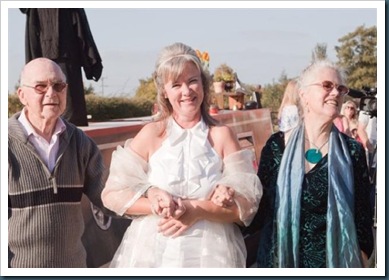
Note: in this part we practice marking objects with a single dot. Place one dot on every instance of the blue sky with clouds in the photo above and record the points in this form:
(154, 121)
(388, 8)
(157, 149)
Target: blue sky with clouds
(260, 42)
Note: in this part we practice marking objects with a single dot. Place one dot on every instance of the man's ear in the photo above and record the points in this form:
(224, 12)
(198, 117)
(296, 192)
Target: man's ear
(21, 95)
(301, 94)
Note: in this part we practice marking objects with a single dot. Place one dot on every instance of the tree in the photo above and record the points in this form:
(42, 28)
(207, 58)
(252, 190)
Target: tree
(320, 52)
(272, 93)
(89, 90)
(147, 89)
(357, 54)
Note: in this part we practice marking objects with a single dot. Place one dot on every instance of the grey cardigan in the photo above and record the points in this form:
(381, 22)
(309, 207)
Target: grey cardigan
(45, 222)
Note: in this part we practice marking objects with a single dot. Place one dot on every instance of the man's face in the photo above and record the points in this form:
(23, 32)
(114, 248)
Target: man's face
(43, 92)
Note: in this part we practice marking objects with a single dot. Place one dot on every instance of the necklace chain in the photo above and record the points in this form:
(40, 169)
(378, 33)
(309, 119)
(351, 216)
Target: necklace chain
(318, 149)
(314, 155)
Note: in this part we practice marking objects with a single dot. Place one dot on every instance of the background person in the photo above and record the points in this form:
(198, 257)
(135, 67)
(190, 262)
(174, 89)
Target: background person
(354, 130)
(367, 132)
(289, 113)
(349, 110)
(51, 163)
(315, 210)
(347, 113)
(165, 178)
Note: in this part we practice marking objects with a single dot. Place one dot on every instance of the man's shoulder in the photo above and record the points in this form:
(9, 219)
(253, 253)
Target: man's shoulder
(74, 131)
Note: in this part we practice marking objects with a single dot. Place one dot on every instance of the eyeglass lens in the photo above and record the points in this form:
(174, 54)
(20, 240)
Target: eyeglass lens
(328, 85)
(58, 87)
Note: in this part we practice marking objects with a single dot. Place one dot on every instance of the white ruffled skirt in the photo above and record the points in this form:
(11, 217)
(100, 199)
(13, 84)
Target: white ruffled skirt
(205, 244)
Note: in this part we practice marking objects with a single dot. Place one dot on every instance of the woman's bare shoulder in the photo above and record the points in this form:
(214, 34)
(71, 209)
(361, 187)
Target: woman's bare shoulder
(146, 140)
(150, 130)
(221, 131)
(224, 140)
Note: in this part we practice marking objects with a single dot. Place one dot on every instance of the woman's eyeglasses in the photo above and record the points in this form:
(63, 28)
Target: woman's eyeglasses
(329, 86)
(44, 87)
(350, 107)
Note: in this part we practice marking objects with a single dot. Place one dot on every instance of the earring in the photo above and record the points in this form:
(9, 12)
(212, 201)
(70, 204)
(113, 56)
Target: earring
(307, 107)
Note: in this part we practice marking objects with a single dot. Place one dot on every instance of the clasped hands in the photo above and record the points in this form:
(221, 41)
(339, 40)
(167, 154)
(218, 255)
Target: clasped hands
(172, 209)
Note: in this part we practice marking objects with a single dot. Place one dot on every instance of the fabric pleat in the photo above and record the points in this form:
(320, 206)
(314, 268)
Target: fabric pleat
(342, 249)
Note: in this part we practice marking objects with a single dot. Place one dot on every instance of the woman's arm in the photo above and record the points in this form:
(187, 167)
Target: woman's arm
(346, 126)
(199, 210)
(128, 182)
(238, 172)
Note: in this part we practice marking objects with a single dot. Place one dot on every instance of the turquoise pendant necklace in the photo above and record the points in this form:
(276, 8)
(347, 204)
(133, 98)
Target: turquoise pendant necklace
(314, 155)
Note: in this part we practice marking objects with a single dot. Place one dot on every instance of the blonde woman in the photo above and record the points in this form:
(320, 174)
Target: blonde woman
(174, 176)
(347, 113)
(289, 113)
(349, 110)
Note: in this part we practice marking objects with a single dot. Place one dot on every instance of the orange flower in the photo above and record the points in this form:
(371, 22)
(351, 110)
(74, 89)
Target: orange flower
(205, 56)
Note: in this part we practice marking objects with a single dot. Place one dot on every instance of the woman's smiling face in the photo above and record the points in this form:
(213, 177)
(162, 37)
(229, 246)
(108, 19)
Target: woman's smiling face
(186, 93)
(321, 103)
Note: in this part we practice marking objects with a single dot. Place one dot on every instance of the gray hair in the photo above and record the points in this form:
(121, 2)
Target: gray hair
(170, 64)
(308, 72)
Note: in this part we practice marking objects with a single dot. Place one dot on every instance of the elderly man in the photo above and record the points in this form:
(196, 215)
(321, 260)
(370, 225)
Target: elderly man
(51, 164)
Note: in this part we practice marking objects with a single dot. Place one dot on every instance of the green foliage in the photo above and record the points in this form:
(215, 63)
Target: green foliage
(89, 90)
(103, 109)
(357, 54)
(272, 93)
(224, 73)
(320, 52)
(146, 90)
(14, 104)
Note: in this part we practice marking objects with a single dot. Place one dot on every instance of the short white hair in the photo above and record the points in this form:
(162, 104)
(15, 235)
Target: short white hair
(308, 72)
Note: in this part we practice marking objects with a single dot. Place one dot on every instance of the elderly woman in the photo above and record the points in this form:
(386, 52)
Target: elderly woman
(315, 211)
(183, 178)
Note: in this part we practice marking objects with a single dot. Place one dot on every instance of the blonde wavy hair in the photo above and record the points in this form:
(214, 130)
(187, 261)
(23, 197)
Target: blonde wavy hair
(169, 66)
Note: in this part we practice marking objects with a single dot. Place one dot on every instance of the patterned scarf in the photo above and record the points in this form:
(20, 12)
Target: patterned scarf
(342, 249)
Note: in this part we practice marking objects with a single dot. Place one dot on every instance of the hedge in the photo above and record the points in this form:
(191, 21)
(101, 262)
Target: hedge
(102, 108)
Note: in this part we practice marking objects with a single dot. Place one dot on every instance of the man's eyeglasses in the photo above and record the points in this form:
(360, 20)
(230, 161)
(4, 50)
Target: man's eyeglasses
(329, 86)
(44, 87)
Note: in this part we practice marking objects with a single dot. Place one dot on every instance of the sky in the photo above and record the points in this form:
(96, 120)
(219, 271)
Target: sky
(260, 41)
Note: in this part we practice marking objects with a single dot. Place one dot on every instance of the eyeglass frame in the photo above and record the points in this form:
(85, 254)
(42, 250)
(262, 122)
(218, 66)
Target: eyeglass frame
(350, 107)
(49, 84)
(332, 88)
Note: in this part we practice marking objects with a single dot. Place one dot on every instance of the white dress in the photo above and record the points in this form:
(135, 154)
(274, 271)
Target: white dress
(188, 167)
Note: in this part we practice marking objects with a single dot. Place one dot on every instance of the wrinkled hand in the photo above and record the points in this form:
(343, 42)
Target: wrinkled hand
(162, 202)
(223, 196)
(180, 208)
(176, 226)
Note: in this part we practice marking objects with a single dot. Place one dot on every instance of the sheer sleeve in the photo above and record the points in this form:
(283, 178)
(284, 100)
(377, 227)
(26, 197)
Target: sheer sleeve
(127, 180)
(239, 173)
